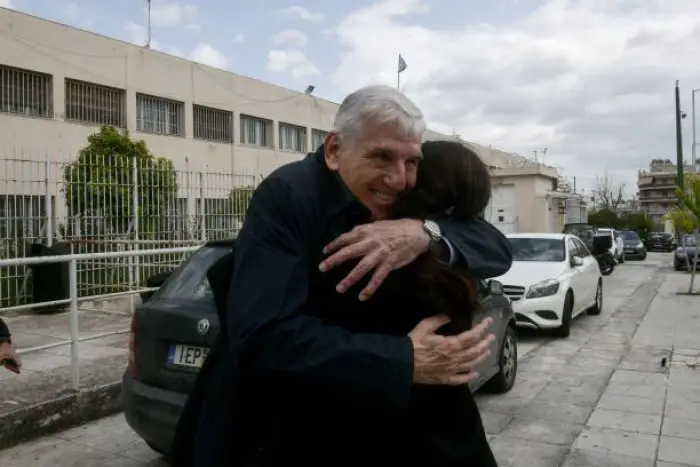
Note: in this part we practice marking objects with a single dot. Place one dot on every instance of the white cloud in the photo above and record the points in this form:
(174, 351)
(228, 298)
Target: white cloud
(591, 80)
(6, 4)
(173, 14)
(208, 55)
(292, 61)
(290, 38)
(300, 12)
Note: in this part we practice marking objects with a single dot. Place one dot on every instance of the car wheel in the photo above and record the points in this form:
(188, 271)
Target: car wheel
(566, 315)
(504, 380)
(622, 258)
(644, 257)
(677, 266)
(598, 306)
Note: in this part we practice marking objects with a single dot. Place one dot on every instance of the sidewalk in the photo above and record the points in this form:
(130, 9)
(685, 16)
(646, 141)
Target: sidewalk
(40, 400)
(603, 397)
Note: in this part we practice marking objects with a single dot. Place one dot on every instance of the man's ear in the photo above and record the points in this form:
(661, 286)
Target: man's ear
(331, 147)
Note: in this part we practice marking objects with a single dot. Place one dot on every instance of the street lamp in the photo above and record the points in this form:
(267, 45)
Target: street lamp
(695, 143)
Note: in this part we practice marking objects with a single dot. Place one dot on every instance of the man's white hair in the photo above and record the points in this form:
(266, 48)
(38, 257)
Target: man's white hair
(379, 105)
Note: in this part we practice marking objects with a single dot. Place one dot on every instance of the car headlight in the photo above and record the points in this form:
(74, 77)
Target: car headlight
(543, 289)
(640, 245)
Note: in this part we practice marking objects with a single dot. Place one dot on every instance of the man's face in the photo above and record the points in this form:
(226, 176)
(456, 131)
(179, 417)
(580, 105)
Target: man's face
(378, 166)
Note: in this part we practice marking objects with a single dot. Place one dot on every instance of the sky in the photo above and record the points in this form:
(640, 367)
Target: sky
(592, 81)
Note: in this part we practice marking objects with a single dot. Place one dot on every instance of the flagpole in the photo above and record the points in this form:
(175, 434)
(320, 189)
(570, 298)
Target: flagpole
(398, 81)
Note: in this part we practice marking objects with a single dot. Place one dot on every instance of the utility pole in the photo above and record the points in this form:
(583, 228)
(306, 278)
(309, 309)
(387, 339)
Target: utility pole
(679, 140)
(148, 39)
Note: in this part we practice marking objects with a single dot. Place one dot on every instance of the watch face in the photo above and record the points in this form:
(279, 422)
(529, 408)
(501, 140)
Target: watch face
(433, 229)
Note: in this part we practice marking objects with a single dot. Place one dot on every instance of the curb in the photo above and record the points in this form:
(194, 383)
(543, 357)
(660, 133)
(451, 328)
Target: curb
(59, 414)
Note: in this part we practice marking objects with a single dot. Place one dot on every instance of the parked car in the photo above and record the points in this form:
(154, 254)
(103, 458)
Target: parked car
(554, 278)
(685, 253)
(634, 247)
(661, 241)
(172, 332)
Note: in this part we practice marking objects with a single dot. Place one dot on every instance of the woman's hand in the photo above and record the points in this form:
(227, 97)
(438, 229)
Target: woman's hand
(384, 246)
(9, 358)
(448, 360)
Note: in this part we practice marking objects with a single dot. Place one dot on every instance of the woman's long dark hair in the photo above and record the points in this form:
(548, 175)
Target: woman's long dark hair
(452, 182)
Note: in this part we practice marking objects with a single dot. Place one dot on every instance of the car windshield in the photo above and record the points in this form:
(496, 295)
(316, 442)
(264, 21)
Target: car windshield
(537, 249)
(690, 241)
(189, 282)
(630, 235)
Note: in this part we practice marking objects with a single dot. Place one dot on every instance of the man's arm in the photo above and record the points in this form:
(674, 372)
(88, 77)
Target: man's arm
(478, 246)
(270, 337)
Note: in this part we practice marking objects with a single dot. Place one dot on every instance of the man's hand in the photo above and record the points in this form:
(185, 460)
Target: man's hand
(448, 360)
(8, 357)
(384, 246)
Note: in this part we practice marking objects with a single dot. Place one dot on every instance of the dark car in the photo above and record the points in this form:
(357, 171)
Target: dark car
(685, 253)
(660, 241)
(634, 247)
(173, 330)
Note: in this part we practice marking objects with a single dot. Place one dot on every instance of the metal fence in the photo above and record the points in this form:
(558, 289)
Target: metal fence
(108, 204)
(73, 299)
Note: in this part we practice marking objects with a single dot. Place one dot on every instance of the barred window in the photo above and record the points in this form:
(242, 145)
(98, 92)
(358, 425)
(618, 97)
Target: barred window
(256, 131)
(26, 92)
(292, 137)
(317, 138)
(22, 216)
(159, 115)
(95, 103)
(212, 124)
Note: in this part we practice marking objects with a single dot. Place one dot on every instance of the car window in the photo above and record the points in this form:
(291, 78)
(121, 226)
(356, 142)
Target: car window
(690, 241)
(630, 235)
(537, 249)
(189, 282)
(582, 248)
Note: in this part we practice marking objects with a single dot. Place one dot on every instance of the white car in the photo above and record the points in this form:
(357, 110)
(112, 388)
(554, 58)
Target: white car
(554, 278)
(618, 243)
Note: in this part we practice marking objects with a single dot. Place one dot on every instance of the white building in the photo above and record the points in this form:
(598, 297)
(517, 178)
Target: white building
(58, 84)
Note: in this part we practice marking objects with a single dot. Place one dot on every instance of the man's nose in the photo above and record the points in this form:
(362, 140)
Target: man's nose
(396, 178)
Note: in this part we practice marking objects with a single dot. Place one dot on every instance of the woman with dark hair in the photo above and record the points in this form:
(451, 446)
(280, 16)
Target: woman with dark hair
(443, 426)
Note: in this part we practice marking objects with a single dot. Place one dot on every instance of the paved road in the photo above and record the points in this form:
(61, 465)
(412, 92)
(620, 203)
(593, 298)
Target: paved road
(543, 422)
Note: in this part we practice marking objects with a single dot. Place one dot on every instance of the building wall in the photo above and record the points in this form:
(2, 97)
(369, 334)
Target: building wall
(64, 52)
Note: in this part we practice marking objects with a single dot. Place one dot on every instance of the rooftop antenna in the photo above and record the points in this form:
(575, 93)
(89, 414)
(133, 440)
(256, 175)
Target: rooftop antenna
(148, 39)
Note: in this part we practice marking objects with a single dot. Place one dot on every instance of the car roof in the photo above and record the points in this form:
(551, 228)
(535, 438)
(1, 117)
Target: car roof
(542, 235)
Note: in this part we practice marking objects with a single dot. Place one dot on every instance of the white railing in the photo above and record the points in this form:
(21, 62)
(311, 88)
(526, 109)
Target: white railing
(101, 204)
(73, 293)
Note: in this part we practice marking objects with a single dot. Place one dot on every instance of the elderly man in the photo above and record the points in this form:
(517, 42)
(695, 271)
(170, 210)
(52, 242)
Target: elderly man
(282, 386)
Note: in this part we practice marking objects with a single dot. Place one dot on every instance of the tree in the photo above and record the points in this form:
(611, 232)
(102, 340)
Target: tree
(100, 184)
(686, 219)
(604, 218)
(608, 193)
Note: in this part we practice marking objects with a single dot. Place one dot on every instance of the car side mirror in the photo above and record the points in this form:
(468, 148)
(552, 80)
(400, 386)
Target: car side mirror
(576, 261)
(495, 287)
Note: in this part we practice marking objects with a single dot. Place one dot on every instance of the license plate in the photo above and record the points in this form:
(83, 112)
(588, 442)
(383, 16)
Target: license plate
(187, 355)
(629, 250)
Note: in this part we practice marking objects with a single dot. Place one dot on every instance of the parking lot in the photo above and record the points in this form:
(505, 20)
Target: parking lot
(601, 397)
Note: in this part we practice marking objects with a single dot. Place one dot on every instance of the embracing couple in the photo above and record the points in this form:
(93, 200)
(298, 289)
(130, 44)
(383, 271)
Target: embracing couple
(346, 306)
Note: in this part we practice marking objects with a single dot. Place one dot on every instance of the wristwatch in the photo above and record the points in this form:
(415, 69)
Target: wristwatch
(435, 234)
